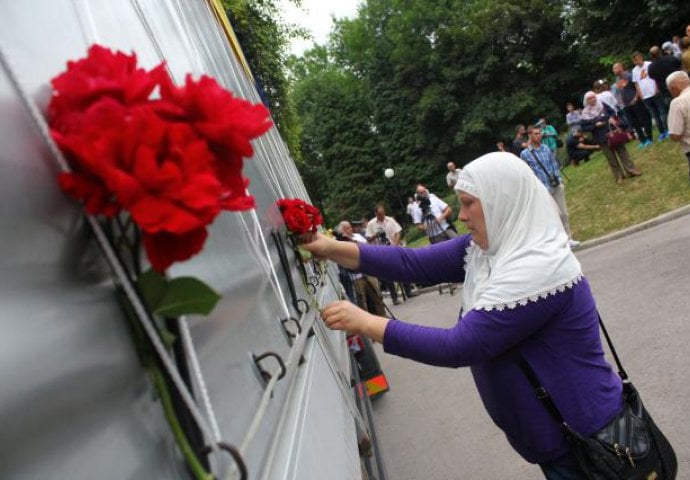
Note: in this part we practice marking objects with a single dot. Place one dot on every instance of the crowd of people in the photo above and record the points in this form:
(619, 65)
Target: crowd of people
(626, 108)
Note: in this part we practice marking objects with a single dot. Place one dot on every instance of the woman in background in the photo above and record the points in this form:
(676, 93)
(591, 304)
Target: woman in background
(599, 118)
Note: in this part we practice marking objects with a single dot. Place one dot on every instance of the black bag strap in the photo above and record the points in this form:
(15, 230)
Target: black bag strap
(551, 177)
(621, 371)
(541, 392)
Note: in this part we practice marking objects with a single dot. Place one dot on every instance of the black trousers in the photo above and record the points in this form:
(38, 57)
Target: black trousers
(580, 155)
(640, 120)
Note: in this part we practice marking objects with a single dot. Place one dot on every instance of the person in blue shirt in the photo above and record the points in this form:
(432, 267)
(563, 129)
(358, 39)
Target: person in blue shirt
(543, 163)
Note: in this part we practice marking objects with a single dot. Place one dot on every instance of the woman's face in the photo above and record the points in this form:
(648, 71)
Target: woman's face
(591, 100)
(472, 215)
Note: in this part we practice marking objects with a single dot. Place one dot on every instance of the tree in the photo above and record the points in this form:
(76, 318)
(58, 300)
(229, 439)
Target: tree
(412, 84)
(616, 28)
(339, 145)
(264, 39)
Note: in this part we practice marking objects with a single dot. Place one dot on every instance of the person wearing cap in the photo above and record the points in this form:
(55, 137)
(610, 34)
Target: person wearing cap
(648, 92)
(671, 48)
(678, 84)
(549, 134)
(662, 66)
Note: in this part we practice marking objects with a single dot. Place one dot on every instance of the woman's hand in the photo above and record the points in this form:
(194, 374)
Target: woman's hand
(600, 124)
(319, 246)
(344, 315)
(344, 253)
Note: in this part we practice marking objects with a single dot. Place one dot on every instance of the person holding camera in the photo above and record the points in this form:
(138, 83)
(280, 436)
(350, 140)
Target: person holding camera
(384, 230)
(432, 216)
(544, 164)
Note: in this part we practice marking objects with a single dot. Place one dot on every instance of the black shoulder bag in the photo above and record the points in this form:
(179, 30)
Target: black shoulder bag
(553, 180)
(630, 447)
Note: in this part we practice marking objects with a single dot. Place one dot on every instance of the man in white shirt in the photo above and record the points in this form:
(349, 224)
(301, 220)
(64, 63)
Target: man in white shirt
(678, 84)
(648, 92)
(432, 216)
(452, 177)
(384, 230)
(411, 207)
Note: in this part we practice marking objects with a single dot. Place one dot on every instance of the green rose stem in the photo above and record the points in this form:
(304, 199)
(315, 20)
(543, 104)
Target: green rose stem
(179, 434)
(131, 245)
(148, 360)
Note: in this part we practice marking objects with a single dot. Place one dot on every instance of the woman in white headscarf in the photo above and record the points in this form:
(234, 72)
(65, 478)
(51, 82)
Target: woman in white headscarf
(599, 118)
(524, 298)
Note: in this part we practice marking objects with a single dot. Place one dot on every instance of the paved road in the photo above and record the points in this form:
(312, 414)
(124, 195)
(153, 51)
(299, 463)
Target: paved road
(432, 425)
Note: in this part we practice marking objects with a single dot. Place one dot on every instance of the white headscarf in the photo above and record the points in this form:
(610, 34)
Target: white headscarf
(528, 255)
(589, 112)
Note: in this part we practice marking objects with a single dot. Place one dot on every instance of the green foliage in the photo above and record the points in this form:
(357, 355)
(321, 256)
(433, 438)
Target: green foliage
(264, 38)
(619, 27)
(176, 297)
(598, 206)
(412, 84)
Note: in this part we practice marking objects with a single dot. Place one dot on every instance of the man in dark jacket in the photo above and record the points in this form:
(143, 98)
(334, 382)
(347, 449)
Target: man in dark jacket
(663, 64)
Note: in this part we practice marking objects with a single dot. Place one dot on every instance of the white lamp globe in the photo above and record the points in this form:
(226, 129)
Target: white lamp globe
(389, 173)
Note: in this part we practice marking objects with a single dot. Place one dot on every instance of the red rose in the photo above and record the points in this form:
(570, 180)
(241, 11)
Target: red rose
(297, 221)
(163, 249)
(299, 216)
(173, 163)
(227, 123)
(102, 74)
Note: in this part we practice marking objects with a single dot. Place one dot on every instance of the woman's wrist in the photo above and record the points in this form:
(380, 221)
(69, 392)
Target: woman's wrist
(375, 327)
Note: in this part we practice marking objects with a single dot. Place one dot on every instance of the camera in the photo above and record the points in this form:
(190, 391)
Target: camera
(381, 236)
(424, 204)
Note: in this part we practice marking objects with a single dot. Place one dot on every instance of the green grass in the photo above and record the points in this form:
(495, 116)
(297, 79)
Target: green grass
(597, 206)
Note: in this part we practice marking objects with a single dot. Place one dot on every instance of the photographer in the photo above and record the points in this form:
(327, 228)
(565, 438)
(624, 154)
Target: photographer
(384, 230)
(432, 216)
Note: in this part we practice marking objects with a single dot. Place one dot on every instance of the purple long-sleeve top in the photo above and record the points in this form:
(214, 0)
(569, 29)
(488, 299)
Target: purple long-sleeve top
(558, 336)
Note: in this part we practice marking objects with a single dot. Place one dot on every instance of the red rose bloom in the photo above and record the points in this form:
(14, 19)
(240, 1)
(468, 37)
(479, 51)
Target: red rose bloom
(102, 74)
(227, 123)
(299, 216)
(173, 164)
